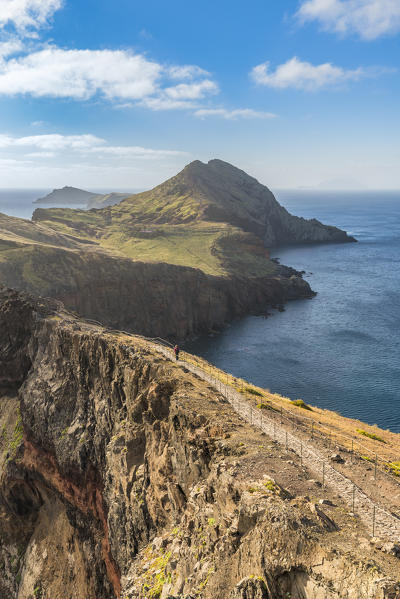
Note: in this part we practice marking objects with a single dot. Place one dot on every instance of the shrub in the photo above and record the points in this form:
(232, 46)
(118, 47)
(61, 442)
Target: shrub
(301, 404)
(266, 406)
(270, 486)
(360, 431)
(366, 458)
(394, 468)
(253, 391)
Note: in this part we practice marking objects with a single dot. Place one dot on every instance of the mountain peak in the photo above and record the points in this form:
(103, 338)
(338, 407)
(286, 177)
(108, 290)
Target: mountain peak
(217, 191)
(215, 165)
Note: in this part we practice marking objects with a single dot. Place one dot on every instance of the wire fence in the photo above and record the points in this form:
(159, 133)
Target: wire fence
(299, 420)
(377, 520)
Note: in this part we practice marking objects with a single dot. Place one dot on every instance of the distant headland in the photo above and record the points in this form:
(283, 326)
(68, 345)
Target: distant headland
(73, 196)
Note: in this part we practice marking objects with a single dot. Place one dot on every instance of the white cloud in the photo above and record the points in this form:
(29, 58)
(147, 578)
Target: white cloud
(164, 103)
(304, 75)
(9, 47)
(79, 74)
(191, 91)
(84, 161)
(113, 74)
(27, 14)
(134, 151)
(239, 113)
(41, 154)
(369, 19)
(187, 72)
(52, 142)
(181, 96)
(50, 145)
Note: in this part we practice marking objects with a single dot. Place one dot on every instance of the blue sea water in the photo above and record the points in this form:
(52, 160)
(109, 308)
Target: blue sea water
(18, 202)
(339, 350)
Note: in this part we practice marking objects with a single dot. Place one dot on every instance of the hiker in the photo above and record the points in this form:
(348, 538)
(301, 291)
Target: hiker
(177, 350)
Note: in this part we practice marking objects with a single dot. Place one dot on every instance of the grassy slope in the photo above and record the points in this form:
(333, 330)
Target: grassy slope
(147, 228)
(166, 224)
(326, 424)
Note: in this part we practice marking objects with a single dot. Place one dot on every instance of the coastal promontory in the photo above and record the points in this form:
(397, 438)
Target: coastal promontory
(185, 257)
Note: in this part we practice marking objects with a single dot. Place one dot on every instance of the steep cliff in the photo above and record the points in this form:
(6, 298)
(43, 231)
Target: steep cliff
(123, 475)
(149, 298)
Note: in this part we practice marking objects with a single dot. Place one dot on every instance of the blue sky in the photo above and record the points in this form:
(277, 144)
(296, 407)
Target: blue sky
(122, 94)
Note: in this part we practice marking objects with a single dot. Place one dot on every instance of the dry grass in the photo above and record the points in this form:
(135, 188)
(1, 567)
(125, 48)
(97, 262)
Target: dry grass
(340, 430)
(325, 423)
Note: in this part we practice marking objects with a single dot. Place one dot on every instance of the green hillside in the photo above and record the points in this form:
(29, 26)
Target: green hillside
(212, 217)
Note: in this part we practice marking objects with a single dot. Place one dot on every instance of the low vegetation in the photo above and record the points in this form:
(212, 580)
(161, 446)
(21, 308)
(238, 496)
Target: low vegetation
(366, 458)
(253, 391)
(394, 468)
(156, 576)
(373, 436)
(163, 226)
(301, 404)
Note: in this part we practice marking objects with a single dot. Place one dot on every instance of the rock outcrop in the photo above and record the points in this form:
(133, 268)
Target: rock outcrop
(122, 475)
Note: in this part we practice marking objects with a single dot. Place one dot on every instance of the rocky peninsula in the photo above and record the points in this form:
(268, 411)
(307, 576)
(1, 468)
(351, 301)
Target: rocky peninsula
(181, 259)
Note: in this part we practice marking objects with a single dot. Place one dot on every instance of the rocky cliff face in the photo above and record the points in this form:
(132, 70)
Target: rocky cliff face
(122, 475)
(151, 299)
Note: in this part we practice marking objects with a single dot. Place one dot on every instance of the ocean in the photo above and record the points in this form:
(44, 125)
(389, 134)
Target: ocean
(18, 202)
(340, 350)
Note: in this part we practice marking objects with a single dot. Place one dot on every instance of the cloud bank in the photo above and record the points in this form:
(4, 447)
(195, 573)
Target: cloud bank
(83, 160)
(87, 144)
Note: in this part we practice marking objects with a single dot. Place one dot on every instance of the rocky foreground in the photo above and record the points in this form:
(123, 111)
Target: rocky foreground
(124, 475)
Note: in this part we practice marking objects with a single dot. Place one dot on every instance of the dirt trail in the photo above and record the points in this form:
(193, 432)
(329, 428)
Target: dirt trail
(377, 520)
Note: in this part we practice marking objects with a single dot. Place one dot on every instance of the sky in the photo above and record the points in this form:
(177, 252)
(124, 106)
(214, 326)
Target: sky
(121, 94)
